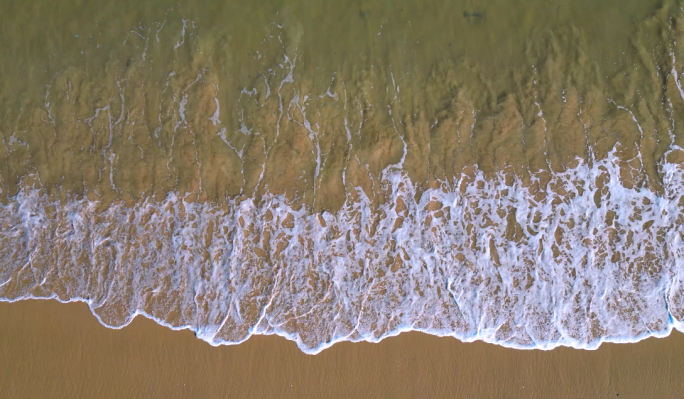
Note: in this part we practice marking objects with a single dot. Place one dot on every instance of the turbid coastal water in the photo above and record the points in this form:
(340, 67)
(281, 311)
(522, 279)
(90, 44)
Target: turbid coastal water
(502, 171)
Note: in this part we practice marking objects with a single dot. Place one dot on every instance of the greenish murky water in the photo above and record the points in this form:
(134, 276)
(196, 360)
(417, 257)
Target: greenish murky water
(499, 170)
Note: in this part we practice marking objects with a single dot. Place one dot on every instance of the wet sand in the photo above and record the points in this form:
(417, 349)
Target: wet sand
(60, 350)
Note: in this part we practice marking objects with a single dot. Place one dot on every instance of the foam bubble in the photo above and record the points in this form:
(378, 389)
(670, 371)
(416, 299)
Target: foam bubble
(581, 262)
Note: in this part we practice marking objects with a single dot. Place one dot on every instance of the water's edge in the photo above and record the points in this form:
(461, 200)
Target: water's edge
(582, 262)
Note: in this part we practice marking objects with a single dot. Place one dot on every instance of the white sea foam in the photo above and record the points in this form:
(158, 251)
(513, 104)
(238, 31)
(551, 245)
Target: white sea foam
(478, 261)
(582, 262)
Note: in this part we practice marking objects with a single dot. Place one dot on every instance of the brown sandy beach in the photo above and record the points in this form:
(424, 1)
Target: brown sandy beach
(57, 350)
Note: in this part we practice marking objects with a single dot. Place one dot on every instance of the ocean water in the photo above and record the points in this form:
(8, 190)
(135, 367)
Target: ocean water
(503, 171)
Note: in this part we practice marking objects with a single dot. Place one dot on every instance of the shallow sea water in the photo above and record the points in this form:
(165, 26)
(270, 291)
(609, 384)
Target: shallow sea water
(501, 171)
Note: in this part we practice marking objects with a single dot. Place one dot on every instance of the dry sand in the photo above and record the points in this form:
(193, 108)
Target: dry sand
(48, 349)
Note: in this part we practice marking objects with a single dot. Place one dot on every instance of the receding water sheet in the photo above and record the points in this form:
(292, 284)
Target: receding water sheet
(507, 171)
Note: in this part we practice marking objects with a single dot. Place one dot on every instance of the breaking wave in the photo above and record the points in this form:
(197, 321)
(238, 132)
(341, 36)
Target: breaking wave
(578, 262)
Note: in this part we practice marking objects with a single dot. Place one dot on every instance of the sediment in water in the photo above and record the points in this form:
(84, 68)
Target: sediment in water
(532, 201)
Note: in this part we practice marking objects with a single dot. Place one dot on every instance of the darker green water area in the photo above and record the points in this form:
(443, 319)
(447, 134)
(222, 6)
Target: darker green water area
(128, 99)
(47, 36)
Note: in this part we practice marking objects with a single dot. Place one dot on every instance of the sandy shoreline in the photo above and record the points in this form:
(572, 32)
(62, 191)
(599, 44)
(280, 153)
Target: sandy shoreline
(59, 350)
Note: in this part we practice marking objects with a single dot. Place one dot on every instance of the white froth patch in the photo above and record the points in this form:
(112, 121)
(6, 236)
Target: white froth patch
(487, 262)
